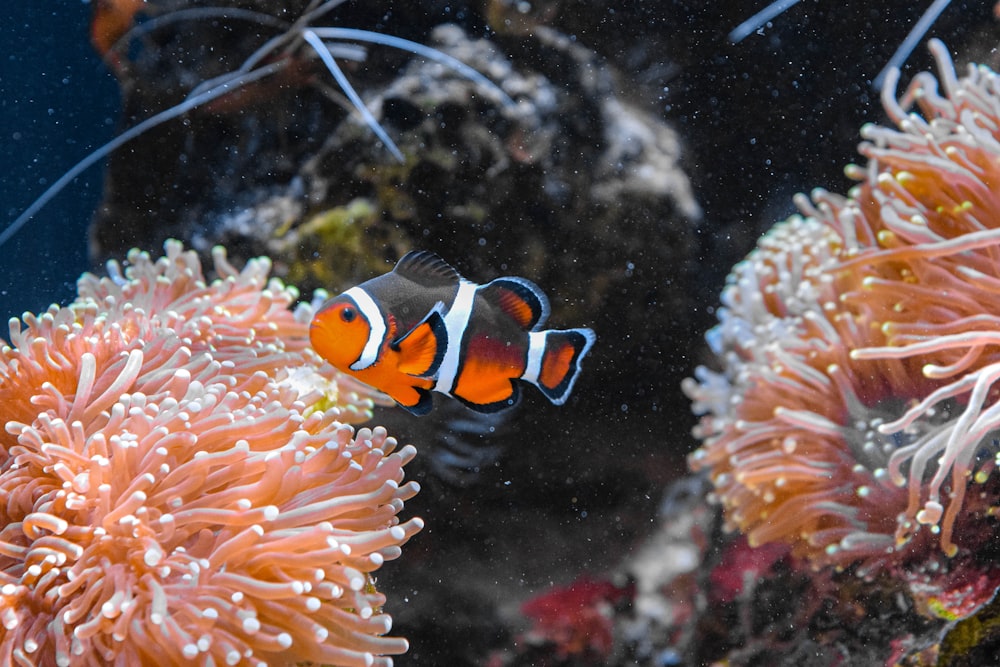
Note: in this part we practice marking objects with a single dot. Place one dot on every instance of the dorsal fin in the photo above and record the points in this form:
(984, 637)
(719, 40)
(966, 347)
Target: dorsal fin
(522, 300)
(427, 269)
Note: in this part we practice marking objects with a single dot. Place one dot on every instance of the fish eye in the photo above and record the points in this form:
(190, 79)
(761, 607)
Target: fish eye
(348, 314)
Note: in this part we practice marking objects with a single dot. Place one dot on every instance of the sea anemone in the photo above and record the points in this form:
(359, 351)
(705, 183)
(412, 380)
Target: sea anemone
(176, 482)
(856, 412)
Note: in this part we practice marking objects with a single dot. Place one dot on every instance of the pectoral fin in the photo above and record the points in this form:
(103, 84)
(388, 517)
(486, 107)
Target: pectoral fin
(421, 350)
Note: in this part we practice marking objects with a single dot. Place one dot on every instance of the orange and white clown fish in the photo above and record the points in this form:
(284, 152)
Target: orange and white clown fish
(422, 327)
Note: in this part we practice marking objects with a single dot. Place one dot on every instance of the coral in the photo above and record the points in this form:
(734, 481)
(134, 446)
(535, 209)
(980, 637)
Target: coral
(740, 565)
(708, 598)
(974, 640)
(577, 619)
(854, 417)
(177, 482)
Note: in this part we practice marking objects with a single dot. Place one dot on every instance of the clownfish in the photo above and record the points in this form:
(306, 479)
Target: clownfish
(422, 327)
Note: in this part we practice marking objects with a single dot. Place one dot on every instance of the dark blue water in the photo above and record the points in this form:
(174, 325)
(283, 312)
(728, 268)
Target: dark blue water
(57, 102)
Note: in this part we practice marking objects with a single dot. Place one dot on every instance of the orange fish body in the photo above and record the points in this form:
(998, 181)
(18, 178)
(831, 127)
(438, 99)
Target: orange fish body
(112, 20)
(422, 328)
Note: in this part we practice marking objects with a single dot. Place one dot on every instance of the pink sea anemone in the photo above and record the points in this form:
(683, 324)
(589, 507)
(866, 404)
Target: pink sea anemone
(177, 485)
(856, 414)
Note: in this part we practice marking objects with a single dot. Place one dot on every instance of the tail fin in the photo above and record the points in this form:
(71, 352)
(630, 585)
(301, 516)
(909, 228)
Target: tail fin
(554, 360)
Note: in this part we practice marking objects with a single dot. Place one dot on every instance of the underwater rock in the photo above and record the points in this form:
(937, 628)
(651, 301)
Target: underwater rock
(577, 184)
